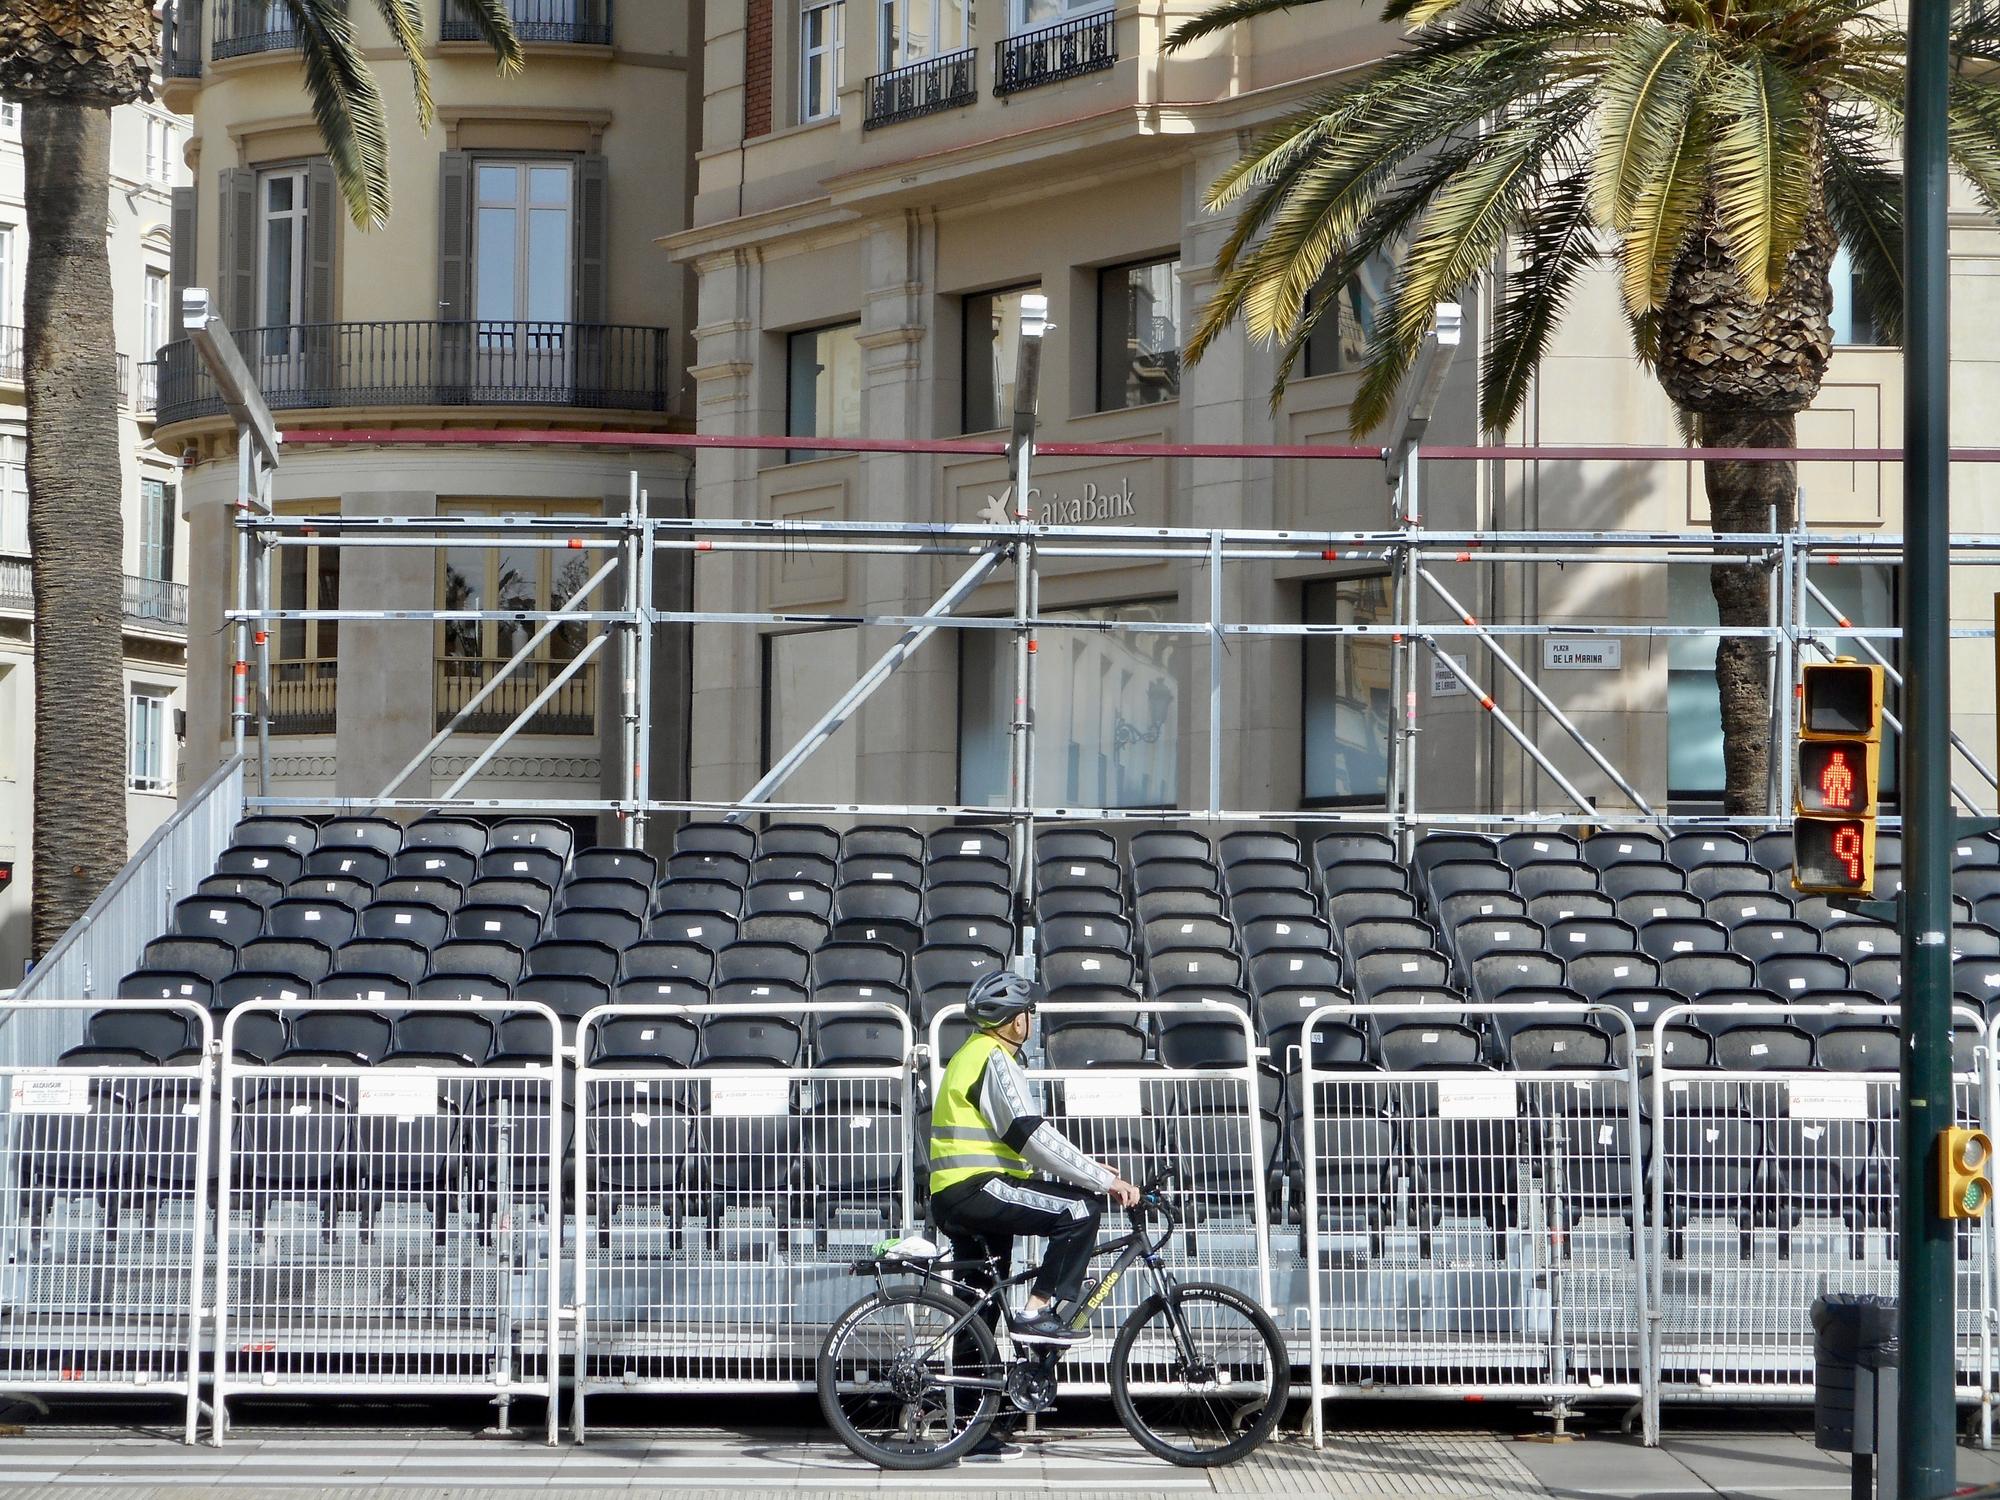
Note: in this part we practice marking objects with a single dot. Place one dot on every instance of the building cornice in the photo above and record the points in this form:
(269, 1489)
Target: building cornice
(455, 116)
(819, 218)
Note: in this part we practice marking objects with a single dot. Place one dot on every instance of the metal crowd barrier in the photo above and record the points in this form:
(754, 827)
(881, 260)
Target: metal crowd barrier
(1770, 1186)
(389, 1228)
(720, 1207)
(103, 1213)
(1475, 1232)
(1215, 1125)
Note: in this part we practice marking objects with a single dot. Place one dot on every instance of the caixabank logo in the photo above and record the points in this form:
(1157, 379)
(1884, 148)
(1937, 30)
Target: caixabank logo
(1048, 506)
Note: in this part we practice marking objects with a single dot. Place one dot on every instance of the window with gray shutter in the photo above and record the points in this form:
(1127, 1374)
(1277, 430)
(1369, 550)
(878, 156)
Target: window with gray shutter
(454, 235)
(322, 235)
(593, 247)
(238, 261)
(181, 267)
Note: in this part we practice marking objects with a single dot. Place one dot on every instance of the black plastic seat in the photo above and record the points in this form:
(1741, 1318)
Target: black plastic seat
(1977, 978)
(653, 960)
(603, 863)
(1735, 909)
(275, 833)
(455, 984)
(1596, 976)
(533, 833)
(405, 960)
(480, 923)
(1758, 941)
(1981, 851)
(1557, 1047)
(608, 893)
(360, 1037)
(971, 899)
(209, 957)
(247, 985)
(615, 929)
(727, 869)
(1349, 906)
(973, 932)
(1054, 874)
(1608, 850)
(1563, 906)
(305, 959)
(1697, 974)
(1454, 911)
(1177, 903)
(1084, 966)
(446, 895)
(645, 1042)
(1095, 1042)
(1272, 934)
(1881, 976)
(1290, 968)
(659, 992)
(711, 930)
(167, 984)
(1642, 877)
(1791, 976)
(799, 838)
(437, 862)
(569, 995)
(1693, 851)
(1476, 939)
(383, 835)
(1773, 850)
(281, 865)
(578, 960)
(735, 839)
(1247, 876)
(1518, 851)
(1457, 877)
(857, 1041)
(440, 1038)
(1494, 975)
(866, 903)
(685, 893)
(522, 862)
(1251, 844)
(350, 861)
(967, 869)
(1576, 936)
(154, 1034)
(1331, 849)
(408, 921)
(1380, 971)
(969, 841)
(860, 963)
(1553, 877)
(1156, 844)
(493, 959)
(1653, 906)
(752, 1039)
(1073, 900)
(1974, 939)
(882, 840)
(494, 890)
(461, 835)
(941, 976)
(232, 919)
(1744, 879)
(1669, 937)
(1072, 842)
(1085, 931)
(1176, 875)
(819, 869)
(780, 962)
(800, 930)
(261, 889)
(1851, 942)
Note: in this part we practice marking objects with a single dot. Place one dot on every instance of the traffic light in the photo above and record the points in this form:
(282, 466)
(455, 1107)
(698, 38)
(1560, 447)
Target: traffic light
(1965, 1164)
(1839, 772)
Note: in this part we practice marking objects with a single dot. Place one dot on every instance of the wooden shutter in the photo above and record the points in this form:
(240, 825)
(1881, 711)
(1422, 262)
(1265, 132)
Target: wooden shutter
(593, 248)
(322, 235)
(237, 267)
(170, 512)
(454, 235)
(181, 273)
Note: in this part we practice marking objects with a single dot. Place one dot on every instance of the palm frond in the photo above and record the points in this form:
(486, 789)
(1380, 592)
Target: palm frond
(495, 24)
(1864, 195)
(346, 106)
(1761, 167)
(405, 19)
(1556, 246)
(1665, 213)
(1974, 136)
(1223, 15)
(1646, 95)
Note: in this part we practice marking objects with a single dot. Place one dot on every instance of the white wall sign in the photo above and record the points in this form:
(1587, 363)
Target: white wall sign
(1827, 1098)
(1599, 655)
(1477, 1099)
(1443, 684)
(48, 1094)
(385, 1091)
(1101, 1097)
(744, 1097)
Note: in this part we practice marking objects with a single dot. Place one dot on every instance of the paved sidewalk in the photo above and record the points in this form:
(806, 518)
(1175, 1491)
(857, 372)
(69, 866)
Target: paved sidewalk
(1453, 1454)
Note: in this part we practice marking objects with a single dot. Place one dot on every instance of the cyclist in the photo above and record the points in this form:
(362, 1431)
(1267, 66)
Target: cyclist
(988, 1137)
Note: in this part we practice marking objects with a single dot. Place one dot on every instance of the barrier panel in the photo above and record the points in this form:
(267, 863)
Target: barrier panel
(1469, 1230)
(1216, 1124)
(733, 1161)
(1773, 1182)
(104, 1204)
(391, 1206)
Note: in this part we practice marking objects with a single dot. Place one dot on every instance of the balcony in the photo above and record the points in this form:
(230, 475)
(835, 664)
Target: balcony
(333, 365)
(1068, 49)
(146, 393)
(13, 353)
(302, 696)
(243, 27)
(922, 88)
(149, 603)
(573, 709)
(180, 39)
(579, 22)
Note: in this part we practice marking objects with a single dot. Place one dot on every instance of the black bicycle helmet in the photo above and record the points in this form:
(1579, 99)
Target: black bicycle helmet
(998, 997)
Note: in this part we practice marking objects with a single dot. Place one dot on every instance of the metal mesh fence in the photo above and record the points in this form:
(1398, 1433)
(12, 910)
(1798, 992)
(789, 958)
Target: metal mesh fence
(1470, 1230)
(721, 1204)
(390, 1223)
(103, 1219)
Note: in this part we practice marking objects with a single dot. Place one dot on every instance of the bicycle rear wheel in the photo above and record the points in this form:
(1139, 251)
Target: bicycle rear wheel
(888, 1376)
(1200, 1375)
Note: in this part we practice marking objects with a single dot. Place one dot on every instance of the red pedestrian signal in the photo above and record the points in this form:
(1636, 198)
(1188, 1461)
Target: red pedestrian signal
(1839, 754)
(1837, 776)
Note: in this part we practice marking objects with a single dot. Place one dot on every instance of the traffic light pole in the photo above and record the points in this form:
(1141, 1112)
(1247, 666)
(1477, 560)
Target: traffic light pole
(1926, 1459)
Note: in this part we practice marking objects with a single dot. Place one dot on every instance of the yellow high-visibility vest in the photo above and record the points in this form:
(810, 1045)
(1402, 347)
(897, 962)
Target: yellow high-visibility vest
(963, 1144)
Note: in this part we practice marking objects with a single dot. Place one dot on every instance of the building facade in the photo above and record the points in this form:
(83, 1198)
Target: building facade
(516, 283)
(878, 186)
(147, 146)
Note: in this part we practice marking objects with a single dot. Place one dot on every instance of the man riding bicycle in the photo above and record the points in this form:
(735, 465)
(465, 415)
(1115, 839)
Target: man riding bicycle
(988, 1138)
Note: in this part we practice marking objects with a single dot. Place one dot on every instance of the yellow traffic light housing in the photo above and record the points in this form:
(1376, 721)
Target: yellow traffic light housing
(1839, 764)
(1965, 1166)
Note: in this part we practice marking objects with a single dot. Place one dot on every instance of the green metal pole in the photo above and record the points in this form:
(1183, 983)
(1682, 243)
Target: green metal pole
(1927, 1417)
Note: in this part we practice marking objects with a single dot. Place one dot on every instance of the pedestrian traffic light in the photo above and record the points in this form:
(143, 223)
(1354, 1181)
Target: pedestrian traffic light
(1965, 1164)
(1839, 771)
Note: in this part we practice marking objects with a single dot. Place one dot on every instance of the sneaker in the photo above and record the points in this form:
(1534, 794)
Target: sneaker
(993, 1449)
(1043, 1327)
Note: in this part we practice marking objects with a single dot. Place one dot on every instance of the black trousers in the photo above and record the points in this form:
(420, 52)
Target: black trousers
(982, 1216)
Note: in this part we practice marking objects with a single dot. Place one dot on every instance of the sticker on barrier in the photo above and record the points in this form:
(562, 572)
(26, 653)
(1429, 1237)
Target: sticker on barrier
(391, 1200)
(733, 1162)
(103, 1221)
(1774, 1179)
(1211, 1115)
(1471, 1185)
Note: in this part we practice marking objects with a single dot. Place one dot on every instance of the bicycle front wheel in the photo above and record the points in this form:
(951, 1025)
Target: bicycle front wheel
(1200, 1375)
(901, 1388)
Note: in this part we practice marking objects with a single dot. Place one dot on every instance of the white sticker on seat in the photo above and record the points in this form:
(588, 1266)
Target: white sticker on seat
(1683, 946)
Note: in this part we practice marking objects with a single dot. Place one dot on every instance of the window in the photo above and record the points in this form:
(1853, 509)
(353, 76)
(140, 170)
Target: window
(913, 30)
(1348, 709)
(159, 149)
(1032, 15)
(470, 652)
(521, 245)
(305, 662)
(146, 741)
(156, 313)
(1864, 595)
(1853, 314)
(992, 340)
(13, 493)
(820, 25)
(10, 308)
(1138, 334)
(1107, 726)
(1339, 340)
(823, 385)
(281, 255)
(156, 530)
(10, 117)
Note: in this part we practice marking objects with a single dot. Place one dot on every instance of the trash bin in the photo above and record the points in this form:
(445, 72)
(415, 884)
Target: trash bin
(1855, 1362)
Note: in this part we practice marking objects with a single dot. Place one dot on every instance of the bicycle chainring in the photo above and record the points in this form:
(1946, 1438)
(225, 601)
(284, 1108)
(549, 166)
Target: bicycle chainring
(1031, 1386)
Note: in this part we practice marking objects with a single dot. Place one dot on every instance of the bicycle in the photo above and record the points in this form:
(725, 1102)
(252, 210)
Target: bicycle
(911, 1376)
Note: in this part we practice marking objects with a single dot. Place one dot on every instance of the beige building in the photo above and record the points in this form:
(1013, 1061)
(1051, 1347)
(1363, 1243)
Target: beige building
(147, 143)
(517, 282)
(878, 185)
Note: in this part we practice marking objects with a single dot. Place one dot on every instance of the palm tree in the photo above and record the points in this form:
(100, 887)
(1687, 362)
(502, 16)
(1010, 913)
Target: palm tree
(69, 62)
(1713, 152)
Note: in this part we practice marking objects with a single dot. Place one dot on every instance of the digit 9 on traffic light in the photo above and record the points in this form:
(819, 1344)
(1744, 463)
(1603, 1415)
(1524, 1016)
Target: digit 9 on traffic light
(1839, 755)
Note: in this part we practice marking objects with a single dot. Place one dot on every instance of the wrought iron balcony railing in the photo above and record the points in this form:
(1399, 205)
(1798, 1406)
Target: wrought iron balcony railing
(180, 39)
(246, 26)
(922, 88)
(13, 353)
(303, 696)
(331, 365)
(153, 602)
(17, 585)
(581, 22)
(146, 394)
(1068, 49)
(573, 709)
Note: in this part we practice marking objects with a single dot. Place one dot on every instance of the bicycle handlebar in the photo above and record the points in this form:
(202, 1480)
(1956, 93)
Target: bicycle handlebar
(1152, 1199)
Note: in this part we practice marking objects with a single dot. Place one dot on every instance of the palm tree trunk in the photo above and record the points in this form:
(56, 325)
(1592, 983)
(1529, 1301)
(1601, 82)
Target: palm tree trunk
(1746, 498)
(75, 528)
